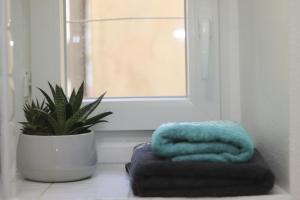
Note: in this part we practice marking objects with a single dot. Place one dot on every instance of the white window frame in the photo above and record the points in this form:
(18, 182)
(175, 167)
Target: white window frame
(204, 100)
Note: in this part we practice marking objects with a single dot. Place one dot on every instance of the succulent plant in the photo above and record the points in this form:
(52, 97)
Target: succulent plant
(61, 115)
(35, 125)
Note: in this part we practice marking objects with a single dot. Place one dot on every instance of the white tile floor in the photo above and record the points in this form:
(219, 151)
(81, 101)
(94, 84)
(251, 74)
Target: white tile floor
(109, 182)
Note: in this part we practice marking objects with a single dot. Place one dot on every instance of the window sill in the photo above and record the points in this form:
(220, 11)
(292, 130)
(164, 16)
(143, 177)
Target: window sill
(109, 182)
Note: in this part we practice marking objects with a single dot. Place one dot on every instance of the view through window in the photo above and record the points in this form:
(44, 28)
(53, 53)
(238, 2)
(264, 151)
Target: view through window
(129, 48)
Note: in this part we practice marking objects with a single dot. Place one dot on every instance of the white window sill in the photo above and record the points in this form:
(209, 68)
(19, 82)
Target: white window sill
(109, 182)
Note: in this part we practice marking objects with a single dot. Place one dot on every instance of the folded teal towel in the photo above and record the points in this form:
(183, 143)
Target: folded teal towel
(212, 141)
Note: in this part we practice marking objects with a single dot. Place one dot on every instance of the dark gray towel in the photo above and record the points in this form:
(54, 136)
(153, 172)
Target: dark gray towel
(151, 176)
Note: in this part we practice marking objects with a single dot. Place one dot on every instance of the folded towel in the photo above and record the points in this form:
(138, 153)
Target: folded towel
(151, 176)
(214, 141)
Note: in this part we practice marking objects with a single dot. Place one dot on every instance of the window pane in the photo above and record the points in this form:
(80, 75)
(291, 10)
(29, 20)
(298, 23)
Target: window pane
(126, 52)
(95, 9)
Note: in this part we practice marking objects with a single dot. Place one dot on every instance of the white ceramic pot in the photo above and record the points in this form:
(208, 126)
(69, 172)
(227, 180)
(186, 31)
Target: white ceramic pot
(57, 158)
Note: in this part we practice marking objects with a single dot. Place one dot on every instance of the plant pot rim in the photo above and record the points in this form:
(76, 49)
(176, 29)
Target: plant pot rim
(58, 136)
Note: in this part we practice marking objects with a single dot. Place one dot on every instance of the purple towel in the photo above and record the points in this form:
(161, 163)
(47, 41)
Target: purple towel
(151, 176)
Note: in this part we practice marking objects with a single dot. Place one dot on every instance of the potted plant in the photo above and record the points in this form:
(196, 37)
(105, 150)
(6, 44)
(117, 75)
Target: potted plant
(56, 144)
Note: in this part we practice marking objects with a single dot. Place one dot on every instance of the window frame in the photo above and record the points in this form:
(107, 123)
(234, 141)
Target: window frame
(205, 100)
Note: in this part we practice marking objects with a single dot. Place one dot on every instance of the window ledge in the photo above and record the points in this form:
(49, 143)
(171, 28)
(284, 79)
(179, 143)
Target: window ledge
(109, 182)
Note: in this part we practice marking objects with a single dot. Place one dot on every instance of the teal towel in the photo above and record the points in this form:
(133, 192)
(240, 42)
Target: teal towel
(212, 141)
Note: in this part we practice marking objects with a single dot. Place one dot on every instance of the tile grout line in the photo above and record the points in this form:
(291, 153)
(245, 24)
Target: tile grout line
(44, 192)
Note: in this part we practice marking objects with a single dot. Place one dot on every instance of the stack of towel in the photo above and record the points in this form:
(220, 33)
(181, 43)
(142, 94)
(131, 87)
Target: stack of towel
(215, 158)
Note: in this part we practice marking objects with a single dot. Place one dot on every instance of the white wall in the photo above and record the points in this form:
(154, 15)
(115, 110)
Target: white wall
(294, 94)
(21, 57)
(265, 80)
(21, 37)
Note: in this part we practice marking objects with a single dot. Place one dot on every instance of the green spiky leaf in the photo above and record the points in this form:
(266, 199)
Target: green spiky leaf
(49, 100)
(72, 97)
(52, 122)
(60, 105)
(95, 119)
(76, 103)
(52, 89)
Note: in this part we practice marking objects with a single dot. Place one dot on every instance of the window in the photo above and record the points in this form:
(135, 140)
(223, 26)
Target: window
(67, 50)
(131, 48)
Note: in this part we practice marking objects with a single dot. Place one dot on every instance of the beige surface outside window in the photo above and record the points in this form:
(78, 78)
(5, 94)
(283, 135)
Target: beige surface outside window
(129, 48)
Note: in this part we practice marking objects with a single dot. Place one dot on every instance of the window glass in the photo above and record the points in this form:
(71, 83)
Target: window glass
(129, 48)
